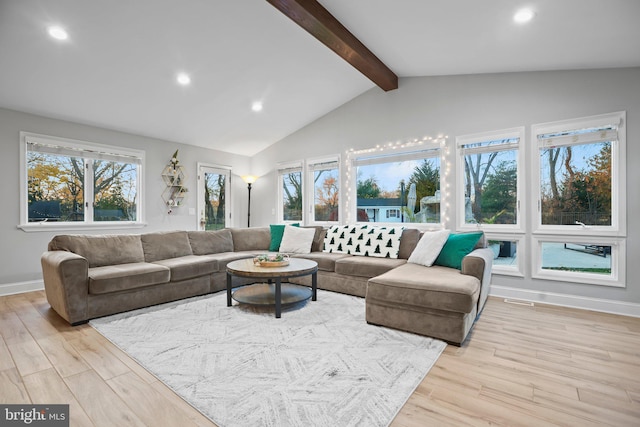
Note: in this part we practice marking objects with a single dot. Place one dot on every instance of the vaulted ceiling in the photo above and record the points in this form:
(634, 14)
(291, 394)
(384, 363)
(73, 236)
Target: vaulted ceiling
(118, 67)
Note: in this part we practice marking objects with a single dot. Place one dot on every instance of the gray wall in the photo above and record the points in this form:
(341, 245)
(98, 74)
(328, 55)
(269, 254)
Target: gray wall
(20, 254)
(458, 105)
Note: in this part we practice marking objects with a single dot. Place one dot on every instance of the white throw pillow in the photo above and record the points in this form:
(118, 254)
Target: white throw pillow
(297, 240)
(429, 247)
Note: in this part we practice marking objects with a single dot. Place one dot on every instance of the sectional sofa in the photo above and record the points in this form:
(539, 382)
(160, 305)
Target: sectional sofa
(89, 276)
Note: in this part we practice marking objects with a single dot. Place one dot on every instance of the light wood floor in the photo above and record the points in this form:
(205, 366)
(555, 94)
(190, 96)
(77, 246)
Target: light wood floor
(522, 365)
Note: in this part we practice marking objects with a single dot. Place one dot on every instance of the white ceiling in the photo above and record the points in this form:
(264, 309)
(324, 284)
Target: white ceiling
(118, 68)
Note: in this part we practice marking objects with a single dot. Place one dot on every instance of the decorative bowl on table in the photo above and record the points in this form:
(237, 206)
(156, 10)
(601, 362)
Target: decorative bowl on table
(271, 260)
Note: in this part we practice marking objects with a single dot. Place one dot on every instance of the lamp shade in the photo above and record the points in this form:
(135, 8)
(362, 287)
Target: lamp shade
(249, 179)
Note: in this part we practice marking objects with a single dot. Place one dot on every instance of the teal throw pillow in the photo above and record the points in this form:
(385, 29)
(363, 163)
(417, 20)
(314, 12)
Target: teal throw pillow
(277, 230)
(457, 247)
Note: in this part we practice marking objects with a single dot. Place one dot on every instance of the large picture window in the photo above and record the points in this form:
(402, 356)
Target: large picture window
(489, 185)
(399, 188)
(70, 182)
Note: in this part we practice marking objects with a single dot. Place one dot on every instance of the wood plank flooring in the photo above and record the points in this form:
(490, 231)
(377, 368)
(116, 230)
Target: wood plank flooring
(522, 366)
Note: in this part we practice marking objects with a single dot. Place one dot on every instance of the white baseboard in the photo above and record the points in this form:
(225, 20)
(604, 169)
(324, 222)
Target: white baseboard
(564, 300)
(21, 287)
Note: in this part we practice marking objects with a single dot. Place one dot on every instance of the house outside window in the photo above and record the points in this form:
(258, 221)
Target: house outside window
(579, 177)
(74, 184)
(402, 187)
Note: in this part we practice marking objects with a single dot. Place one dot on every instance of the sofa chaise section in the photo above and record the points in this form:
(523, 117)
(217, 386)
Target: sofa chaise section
(436, 301)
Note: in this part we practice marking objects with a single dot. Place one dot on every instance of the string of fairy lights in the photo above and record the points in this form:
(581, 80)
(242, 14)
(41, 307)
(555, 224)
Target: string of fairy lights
(403, 146)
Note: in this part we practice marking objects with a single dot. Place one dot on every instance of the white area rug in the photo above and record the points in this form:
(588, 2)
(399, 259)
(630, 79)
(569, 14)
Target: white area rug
(321, 364)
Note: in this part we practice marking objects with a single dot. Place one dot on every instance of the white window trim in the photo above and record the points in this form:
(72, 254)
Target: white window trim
(618, 179)
(618, 261)
(309, 189)
(517, 270)
(228, 193)
(298, 164)
(27, 226)
(380, 155)
(511, 133)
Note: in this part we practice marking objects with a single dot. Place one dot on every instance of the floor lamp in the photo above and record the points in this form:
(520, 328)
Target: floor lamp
(249, 179)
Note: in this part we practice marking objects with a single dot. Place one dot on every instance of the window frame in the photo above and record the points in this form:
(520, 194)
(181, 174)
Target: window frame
(618, 261)
(86, 150)
(310, 167)
(510, 133)
(520, 239)
(281, 169)
(618, 175)
(401, 152)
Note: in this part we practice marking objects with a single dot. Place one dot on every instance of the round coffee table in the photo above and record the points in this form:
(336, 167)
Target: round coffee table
(272, 293)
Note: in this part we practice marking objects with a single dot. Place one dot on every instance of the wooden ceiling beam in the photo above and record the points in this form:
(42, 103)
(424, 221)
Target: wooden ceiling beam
(321, 24)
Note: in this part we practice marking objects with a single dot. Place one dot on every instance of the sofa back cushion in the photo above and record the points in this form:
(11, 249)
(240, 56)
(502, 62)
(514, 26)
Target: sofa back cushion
(408, 242)
(211, 242)
(101, 250)
(318, 238)
(251, 239)
(165, 245)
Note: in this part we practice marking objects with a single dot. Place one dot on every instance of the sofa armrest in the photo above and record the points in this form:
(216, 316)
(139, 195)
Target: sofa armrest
(66, 284)
(479, 264)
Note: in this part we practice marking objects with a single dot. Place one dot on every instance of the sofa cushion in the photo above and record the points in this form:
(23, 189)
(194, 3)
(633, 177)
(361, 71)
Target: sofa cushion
(367, 240)
(277, 230)
(325, 260)
(366, 266)
(121, 277)
(101, 250)
(318, 238)
(164, 245)
(251, 239)
(187, 267)
(225, 258)
(457, 247)
(408, 242)
(210, 242)
(436, 287)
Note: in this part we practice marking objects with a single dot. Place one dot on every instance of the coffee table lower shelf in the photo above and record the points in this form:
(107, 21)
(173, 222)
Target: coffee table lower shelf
(265, 294)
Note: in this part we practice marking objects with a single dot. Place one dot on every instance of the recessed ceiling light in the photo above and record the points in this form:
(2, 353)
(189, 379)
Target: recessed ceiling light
(58, 32)
(523, 15)
(256, 106)
(183, 79)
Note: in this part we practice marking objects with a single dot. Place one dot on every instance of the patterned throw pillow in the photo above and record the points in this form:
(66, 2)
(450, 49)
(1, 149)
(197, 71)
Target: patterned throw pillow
(366, 240)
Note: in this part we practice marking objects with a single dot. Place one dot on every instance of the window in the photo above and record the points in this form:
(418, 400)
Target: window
(580, 172)
(594, 260)
(71, 183)
(508, 251)
(579, 176)
(402, 187)
(490, 183)
(324, 176)
(290, 192)
(213, 196)
(393, 213)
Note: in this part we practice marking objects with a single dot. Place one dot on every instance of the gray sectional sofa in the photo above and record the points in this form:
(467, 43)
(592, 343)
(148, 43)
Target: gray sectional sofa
(89, 276)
